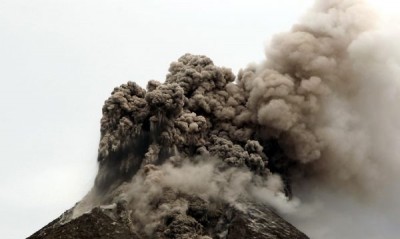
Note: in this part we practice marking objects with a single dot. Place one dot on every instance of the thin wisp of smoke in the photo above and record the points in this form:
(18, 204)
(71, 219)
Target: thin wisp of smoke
(319, 115)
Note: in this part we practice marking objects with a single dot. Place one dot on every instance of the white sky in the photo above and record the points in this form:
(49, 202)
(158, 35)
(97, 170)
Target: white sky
(59, 61)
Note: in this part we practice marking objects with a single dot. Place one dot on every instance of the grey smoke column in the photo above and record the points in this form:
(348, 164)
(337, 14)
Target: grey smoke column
(181, 141)
(273, 110)
(195, 112)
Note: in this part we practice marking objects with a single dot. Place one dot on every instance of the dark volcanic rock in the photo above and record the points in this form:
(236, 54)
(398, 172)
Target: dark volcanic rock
(200, 222)
(260, 222)
(95, 224)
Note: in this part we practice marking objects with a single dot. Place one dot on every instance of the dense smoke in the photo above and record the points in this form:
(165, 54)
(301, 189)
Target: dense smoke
(319, 115)
(187, 137)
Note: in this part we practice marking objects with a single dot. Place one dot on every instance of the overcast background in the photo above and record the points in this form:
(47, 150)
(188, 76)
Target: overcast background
(59, 61)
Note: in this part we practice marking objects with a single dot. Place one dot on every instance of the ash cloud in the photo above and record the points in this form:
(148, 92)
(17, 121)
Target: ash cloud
(318, 116)
(180, 139)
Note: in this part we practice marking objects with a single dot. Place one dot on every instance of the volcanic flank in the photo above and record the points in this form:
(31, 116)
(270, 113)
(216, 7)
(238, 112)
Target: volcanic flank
(205, 154)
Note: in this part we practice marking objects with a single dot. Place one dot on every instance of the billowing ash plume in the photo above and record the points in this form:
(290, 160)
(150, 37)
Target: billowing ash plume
(184, 140)
(195, 112)
(318, 107)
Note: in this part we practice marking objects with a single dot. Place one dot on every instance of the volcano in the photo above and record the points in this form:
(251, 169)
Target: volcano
(209, 154)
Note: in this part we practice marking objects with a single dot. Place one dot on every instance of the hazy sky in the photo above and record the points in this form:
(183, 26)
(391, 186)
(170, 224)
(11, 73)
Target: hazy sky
(59, 61)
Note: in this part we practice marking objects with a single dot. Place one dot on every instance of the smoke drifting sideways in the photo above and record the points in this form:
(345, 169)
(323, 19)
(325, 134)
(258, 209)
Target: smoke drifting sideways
(351, 190)
(316, 121)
